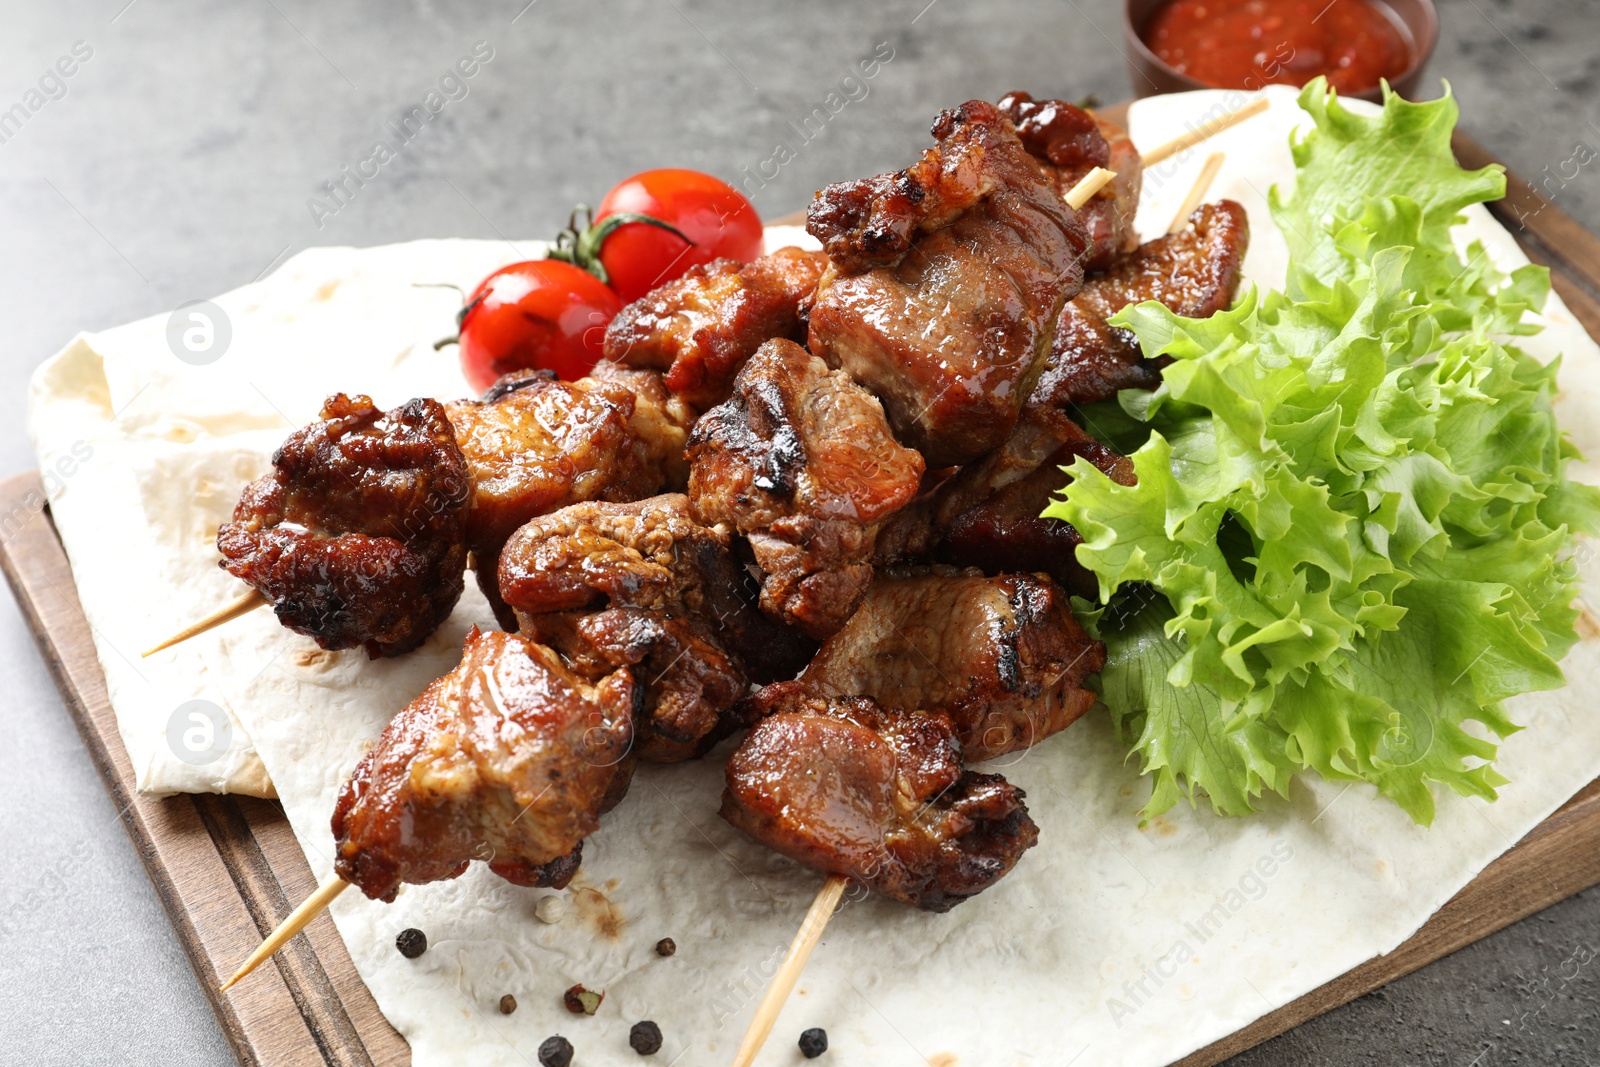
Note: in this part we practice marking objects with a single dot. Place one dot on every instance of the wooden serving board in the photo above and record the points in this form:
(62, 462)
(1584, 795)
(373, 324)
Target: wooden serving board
(228, 869)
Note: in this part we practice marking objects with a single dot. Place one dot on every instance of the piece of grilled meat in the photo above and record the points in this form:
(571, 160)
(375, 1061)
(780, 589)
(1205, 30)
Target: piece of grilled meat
(946, 282)
(534, 444)
(801, 461)
(1002, 657)
(1070, 142)
(643, 585)
(988, 514)
(510, 758)
(852, 788)
(699, 329)
(357, 537)
(1195, 272)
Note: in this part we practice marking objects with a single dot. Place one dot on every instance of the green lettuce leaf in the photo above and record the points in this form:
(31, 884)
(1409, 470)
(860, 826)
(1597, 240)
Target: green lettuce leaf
(1350, 531)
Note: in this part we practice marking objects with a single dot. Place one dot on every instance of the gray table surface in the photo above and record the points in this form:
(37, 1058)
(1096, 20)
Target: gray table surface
(179, 162)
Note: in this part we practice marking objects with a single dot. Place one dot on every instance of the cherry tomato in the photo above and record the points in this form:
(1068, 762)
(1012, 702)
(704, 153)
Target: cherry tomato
(541, 314)
(708, 211)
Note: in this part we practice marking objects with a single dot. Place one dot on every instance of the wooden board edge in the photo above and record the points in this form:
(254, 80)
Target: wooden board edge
(1533, 218)
(198, 890)
(1547, 234)
(1563, 847)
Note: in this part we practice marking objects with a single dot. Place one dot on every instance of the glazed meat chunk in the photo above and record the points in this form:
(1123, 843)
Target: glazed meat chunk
(357, 537)
(509, 758)
(699, 329)
(801, 461)
(1008, 532)
(1002, 657)
(534, 444)
(946, 282)
(1069, 142)
(988, 514)
(1195, 272)
(852, 788)
(643, 585)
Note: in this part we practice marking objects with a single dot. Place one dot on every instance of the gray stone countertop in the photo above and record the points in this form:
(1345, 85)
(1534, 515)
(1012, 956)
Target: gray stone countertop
(178, 161)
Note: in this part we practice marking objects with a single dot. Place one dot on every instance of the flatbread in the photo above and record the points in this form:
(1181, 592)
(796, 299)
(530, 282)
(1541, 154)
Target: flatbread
(1109, 943)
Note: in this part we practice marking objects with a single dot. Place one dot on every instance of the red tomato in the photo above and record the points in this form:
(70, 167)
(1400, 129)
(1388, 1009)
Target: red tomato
(541, 314)
(708, 211)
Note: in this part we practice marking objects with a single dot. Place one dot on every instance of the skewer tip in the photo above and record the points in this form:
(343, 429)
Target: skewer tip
(245, 604)
(298, 920)
(805, 939)
(1087, 187)
(1197, 192)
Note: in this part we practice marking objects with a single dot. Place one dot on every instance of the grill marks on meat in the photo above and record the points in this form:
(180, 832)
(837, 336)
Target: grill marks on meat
(1195, 272)
(357, 535)
(1002, 657)
(509, 758)
(1070, 142)
(946, 283)
(534, 444)
(801, 461)
(700, 329)
(643, 585)
(853, 788)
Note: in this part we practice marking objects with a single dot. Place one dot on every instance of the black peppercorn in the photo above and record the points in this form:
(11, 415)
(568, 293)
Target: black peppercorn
(508, 1004)
(666, 947)
(645, 1038)
(814, 1042)
(555, 1052)
(411, 943)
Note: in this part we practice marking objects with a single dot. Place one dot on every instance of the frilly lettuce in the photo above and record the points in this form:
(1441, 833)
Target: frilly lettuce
(1349, 539)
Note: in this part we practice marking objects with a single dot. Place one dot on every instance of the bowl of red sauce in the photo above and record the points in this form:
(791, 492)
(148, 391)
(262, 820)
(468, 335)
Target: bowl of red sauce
(1178, 45)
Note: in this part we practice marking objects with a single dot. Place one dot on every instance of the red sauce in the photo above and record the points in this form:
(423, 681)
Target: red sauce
(1245, 44)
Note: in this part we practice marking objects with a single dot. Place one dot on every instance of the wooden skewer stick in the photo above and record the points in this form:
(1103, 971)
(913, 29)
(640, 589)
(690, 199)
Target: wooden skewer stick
(1203, 131)
(1087, 186)
(1076, 197)
(298, 919)
(805, 939)
(1197, 192)
(243, 606)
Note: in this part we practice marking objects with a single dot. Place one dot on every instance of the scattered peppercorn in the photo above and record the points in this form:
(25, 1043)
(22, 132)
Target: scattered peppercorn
(411, 943)
(814, 1042)
(555, 1052)
(508, 1004)
(581, 1001)
(666, 947)
(645, 1038)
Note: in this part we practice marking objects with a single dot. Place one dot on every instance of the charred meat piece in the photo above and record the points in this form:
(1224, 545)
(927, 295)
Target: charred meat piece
(699, 329)
(509, 758)
(1195, 272)
(988, 514)
(1002, 657)
(1007, 531)
(643, 585)
(534, 444)
(1070, 142)
(801, 461)
(357, 537)
(849, 787)
(946, 283)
